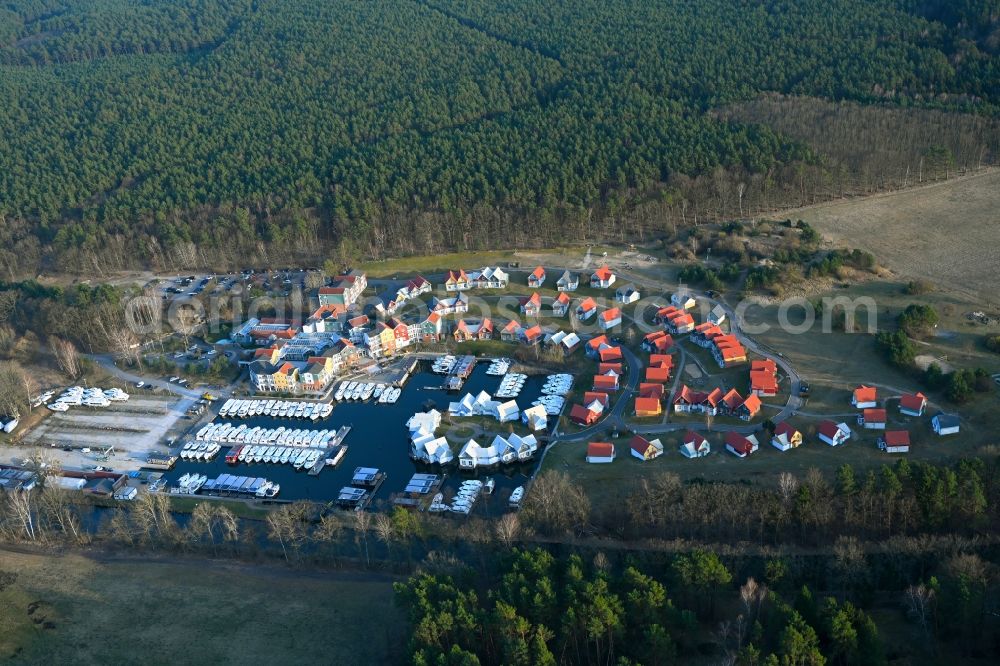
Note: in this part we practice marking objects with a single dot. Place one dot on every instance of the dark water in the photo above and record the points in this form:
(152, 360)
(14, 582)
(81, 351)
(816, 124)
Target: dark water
(379, 438)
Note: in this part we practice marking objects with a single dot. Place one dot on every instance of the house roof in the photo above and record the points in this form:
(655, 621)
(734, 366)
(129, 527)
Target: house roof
(765, 365)
(914, 402)
(535, 299)
(595, 343)
(434, 317)
(626, 289)
(752, 404)
(603, 368)
(661, 360)
(647, 404)
(610, 353)
(539, 272)
(828, 429)
(896, 437)
(657, 374)
(948, 420)
(640, 444)
(874, 416)
(581, 414)
(865, 394)
(651, 390)
(763, 381)
(785, 429)
(587, 304)
(360, 320)
(567, 276)
(600, 449)
(739, 442)
(417, 282)
(512, 326)
(732, 399)
(611, 314)
(562, 298)
(605, 381)
(533, 332)
(603, 273)
(457, 277)
(600, 396)
(691, 437)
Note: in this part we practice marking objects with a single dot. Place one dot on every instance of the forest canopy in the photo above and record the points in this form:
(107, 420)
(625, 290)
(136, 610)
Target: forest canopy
(123, 118)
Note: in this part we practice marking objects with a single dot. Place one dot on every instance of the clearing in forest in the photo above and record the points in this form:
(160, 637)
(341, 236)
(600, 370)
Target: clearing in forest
(947, 232)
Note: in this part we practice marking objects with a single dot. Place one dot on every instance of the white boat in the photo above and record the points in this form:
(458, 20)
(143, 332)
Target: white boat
(358, 390)
(58, 406)
(379, 388)
(394, 395)
(285, 454)
(516, 496)
(368, 392)
(338, 396)
(489, 486)
(327, 410)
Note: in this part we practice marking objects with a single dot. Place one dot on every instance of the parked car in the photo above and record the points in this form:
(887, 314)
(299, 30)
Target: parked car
(174, 379)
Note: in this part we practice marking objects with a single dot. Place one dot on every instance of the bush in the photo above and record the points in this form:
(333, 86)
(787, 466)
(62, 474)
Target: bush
(897, 348)
(918, 287)
(918, 320)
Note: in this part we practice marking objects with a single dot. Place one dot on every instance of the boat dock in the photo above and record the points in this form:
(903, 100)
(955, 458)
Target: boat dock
(364, 484)
(460, 372)
(334, 453)
(419, 490)
(229, 484)
(164, 461)
(331, 458)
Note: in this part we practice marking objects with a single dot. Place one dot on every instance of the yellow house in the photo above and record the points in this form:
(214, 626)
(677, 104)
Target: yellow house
(286, 379)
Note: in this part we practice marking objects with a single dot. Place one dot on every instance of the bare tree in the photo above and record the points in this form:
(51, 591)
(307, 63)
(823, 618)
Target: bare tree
(21, 507)
(920, 605)
(507, 528)
(66, 355)
(362, 523)
(56, 506)
(555, 504)
(385, 530)
(788, 484)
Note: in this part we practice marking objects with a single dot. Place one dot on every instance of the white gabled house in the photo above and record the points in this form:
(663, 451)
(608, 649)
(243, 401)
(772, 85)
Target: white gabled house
(717, 315)
(694, 445)
(535, 417)
(568, 282)
(628, 293)
(602, 278)
(506, 411)
(682, 300)
(832, 433)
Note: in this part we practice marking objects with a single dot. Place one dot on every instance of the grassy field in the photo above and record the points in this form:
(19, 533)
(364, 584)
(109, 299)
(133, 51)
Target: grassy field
(72, 609)
(945, 232)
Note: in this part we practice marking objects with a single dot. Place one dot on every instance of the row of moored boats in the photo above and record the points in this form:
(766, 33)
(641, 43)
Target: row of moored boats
(464, 499)
(189, 484)
(511, 385)
(444, 364)
(77, 396)
(498, 367)
(297, 457)
(203, 451)
(281, 436)
(362, 391)
(236, 408)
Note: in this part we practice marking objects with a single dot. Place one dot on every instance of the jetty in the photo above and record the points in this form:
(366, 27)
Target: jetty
(460, 372)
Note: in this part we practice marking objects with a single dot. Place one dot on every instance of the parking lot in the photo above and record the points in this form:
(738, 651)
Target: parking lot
(133, 429)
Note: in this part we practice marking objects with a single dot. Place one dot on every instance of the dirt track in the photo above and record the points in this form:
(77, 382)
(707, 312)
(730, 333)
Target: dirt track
(947, 232)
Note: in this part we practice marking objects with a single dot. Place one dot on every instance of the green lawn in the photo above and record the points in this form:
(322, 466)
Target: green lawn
(71, 609)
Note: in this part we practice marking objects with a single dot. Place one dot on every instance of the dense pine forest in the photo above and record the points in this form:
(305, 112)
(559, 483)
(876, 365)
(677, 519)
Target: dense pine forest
(172, 133)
